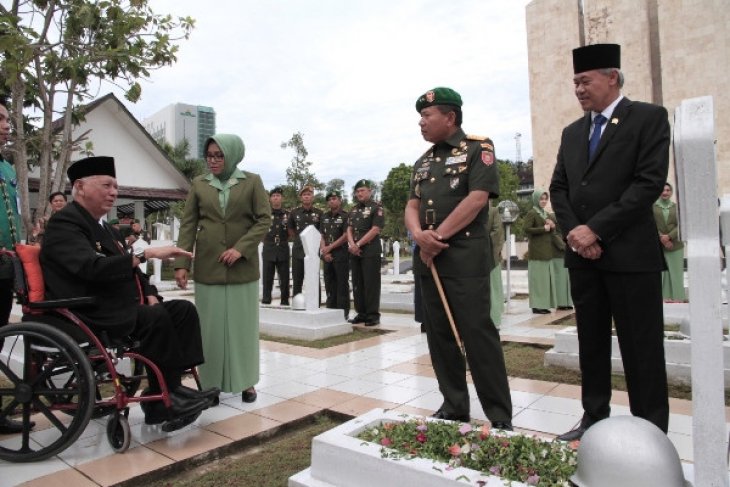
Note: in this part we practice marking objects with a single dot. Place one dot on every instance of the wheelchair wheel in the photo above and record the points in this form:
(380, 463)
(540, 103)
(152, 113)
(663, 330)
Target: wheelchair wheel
(118, 433)
(44, 372)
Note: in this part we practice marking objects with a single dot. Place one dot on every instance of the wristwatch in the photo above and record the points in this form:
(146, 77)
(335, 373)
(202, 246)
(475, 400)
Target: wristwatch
(139, 253)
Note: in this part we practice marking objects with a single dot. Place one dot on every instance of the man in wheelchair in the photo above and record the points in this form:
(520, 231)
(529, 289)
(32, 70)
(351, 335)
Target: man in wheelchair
(83, 256)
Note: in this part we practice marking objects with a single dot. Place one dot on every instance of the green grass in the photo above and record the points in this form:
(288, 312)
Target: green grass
(267, 465)
(357, 334)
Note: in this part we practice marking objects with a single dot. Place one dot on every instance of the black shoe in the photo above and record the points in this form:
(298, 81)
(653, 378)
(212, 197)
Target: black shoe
(565, 307)
(573, 435)
(371, 323)
(356, 320)
(211, 395)
(540, 311)
(155, 412)
(284, 303)
(502, 425)
(441, 414)
(249, 396)
(181, 422)
(265, 301)
(10, 426)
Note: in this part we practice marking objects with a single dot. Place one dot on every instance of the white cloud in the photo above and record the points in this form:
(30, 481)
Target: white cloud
(346, 75)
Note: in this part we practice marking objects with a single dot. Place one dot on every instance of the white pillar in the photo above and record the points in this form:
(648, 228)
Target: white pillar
(310, 237)
(694, 151)
(396, 258)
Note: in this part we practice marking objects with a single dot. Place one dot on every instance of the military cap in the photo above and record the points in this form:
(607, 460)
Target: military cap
(333, 192)
(306, 187)
(277, 189)
(91, 166)
(438, 96)
(596, 56)
(364, 183)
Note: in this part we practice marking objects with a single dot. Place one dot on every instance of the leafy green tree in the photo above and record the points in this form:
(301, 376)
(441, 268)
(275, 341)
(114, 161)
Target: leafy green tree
(180, 155)
(337, 184)
(299, 173)
(54, 57)
(395, 190)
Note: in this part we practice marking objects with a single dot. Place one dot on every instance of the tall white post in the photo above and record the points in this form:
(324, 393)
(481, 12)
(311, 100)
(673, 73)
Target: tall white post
(694, 153)
(396, 258)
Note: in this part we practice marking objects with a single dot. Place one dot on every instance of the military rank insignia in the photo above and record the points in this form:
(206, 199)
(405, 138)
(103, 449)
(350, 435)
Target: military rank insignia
(488, 157)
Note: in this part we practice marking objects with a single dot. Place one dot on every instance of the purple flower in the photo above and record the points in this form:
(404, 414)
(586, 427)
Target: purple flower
(495, 470)
(422, 427)
(465, 428)
(533, 479)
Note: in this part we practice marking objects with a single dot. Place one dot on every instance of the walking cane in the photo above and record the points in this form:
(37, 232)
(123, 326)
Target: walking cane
(442, 295)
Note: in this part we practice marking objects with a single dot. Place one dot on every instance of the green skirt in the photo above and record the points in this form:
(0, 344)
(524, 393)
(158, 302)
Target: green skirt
(496, 295)
(229, 322)
(673, 277)
(540, 284)
(562, 282)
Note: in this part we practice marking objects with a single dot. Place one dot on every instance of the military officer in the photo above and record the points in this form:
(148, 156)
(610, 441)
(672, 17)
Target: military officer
(333, 249)
(299, 219)
(446, 213)
(275, 254)
(366, 219)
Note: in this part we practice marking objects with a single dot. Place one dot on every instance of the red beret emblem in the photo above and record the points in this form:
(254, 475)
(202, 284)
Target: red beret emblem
(430, 96)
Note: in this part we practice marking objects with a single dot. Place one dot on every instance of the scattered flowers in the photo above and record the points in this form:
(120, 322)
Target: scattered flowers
(512, 457)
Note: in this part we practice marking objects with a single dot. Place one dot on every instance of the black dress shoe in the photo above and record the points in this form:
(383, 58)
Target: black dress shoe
(284, 302)
(249, 396)
(155, 412)
(371, 323)
(540, 311)
(265, 301)
(565, 307)
(441, 414)
(356, 320)
(10, 426)
(502, 425)
(211, 394)
(573, 435)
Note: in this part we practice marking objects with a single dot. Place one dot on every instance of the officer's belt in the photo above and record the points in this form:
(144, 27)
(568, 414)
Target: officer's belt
(473, 230)
(276, 240)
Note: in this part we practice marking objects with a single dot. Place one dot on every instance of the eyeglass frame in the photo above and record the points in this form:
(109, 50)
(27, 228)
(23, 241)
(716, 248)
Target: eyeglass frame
(219, 156)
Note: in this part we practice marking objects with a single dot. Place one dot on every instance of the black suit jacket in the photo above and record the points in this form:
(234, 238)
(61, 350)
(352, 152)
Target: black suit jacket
(80, 257)
(614, 192)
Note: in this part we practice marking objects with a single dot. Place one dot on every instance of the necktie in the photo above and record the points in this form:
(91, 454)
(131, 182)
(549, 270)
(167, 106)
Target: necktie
(598, 122)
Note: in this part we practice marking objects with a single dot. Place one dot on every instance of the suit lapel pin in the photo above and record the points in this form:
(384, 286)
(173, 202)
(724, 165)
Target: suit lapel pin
(614, 121)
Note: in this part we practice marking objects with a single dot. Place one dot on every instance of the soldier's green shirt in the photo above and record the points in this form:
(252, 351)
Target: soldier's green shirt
(363, 217)
(333, 226)
(278, 229)
(300, 218)
(447, 172)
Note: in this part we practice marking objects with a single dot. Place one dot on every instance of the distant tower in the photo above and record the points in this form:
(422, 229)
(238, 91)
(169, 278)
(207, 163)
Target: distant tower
(183, 121)
(518, 148)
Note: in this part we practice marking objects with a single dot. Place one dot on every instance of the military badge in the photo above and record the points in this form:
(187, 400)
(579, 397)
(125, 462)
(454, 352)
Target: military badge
(487, 146)
(614, 121)
(430, 96)
(366, 212)
(487, 157)
(462, 168)
(98, 246)
(454, 183)
(417, 190)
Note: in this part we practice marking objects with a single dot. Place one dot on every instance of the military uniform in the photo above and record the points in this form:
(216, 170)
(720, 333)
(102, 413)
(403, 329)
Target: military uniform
(366, 266)
(441, 179)
(336, 273)
(299, 219)
(275, 256)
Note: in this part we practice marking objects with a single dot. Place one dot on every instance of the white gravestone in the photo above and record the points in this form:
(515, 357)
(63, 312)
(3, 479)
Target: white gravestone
(396, 258)
(310, 237)
(694, 153)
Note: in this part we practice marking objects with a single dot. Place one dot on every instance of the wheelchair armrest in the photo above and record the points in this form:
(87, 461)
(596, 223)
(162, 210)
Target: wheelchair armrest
(70, 303)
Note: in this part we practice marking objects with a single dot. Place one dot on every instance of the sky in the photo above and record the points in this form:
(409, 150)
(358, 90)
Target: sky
(346, 74)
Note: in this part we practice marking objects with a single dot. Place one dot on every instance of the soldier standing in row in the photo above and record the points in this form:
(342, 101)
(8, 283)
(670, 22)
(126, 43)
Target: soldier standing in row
(366, 219)
(275, 254)
(446, 213)
(299, 219)
(333, 249)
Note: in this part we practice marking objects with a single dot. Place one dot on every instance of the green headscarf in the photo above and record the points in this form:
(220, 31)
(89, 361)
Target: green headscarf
(232, 148)
(536, 202)
(665, 205)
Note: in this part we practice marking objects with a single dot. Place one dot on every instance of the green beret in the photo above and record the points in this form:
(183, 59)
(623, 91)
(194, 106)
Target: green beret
(333, 192)
(438, 96)
(363, 183)
(277, 189)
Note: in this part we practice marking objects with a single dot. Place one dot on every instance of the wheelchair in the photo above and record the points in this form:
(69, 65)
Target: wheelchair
(56, 372)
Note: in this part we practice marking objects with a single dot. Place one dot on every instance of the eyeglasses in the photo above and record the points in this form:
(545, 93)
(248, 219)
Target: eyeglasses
(217, 156)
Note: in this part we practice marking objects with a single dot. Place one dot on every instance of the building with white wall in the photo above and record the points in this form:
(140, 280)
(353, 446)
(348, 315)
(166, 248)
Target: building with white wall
(181, 121)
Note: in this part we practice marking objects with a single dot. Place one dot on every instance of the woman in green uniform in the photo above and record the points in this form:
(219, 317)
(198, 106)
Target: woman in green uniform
(665, 214)
(541, 231)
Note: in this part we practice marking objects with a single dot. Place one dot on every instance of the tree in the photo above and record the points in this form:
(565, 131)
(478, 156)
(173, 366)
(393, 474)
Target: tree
(509, 182)
(54, 57)
(298, 174)
(395, 191)
(180, 155)
(337, 184)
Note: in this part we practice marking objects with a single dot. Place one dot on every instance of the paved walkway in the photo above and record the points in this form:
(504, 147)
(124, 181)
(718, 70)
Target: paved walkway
(389, 371)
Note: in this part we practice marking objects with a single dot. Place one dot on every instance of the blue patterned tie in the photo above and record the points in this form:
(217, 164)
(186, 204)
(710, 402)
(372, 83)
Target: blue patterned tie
(598, 122)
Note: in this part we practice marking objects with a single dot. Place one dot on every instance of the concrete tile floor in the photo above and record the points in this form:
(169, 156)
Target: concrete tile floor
(388, 371)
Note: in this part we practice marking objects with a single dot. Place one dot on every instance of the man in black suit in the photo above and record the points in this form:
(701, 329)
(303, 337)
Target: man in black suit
(611, 167)
(83, 256)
